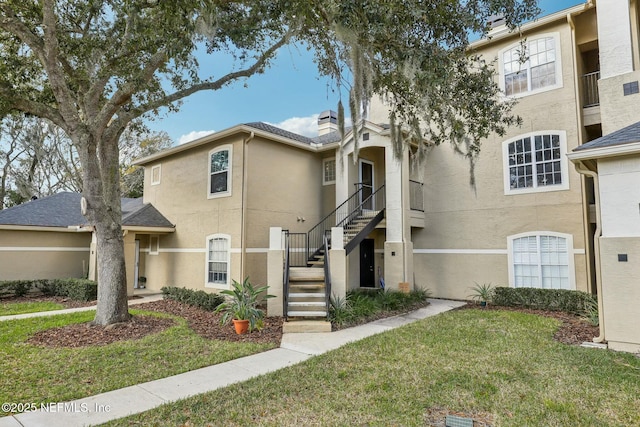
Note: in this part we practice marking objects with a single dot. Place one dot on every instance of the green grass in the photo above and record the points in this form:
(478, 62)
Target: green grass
(10, 308)
(39, 375)
(497, 362)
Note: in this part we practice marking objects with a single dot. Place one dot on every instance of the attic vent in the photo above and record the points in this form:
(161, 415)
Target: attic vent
(630, 88)
(365, 136)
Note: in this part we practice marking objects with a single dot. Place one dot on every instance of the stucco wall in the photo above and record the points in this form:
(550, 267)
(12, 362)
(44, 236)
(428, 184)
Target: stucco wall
(43, 254)
(283, 184)
(465, 238)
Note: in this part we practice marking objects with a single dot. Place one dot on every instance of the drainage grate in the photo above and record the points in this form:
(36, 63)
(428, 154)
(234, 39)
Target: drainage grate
(454, 421)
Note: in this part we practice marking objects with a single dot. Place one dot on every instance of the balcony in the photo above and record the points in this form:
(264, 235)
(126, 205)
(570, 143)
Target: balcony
(590, 96)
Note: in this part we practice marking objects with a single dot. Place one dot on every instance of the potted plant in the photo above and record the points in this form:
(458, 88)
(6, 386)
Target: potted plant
(482, 293)
(242, 306)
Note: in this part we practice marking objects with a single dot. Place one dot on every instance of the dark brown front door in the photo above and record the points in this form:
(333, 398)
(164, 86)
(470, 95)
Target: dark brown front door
(367, 267)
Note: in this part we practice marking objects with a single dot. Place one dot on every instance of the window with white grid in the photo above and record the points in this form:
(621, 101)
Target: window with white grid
(329, 171)
(536, 162)
(531, 66)
(541, 261)
(219, 166)
(218, 260)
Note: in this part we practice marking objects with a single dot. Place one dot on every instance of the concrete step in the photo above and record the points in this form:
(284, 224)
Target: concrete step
(300, 326)
(299, 274)
(305, 286)
(300, 304)
(303, 313)
(306, 295)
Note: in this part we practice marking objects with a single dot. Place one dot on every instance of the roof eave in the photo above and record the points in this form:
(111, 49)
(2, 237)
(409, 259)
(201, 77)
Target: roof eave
(631, 148)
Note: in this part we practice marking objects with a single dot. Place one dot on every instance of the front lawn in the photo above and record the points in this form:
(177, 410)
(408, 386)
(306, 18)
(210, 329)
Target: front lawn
(503, 367)
(39, 374)
(11, 308)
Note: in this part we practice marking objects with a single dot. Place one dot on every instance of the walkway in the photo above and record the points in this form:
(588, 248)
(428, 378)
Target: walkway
(294, 348)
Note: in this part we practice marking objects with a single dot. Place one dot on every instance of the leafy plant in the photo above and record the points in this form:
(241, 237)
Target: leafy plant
(340, 310)
(574, 302)
(482, 292)
(242, 303)
(591, 312)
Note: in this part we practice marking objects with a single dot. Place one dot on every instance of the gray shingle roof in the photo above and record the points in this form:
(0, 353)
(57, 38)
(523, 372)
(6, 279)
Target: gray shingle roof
(63, 210)
(322, 139)
(622, 136)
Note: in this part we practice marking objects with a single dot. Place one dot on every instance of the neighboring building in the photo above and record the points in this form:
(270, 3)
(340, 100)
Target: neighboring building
(49, 238)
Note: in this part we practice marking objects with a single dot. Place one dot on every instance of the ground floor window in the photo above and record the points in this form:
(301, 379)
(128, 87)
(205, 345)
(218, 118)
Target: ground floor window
(541, 261)
(218, 260)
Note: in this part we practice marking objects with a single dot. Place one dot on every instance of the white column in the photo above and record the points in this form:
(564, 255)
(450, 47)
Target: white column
(614, 38)
(275, 272)
(338, 263)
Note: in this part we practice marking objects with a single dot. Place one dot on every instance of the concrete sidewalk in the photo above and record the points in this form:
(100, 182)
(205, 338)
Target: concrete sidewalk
(143, 299)
(294, 349)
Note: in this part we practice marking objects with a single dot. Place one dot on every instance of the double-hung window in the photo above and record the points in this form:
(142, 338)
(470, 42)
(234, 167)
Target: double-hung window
(531, 66)
(541, 260)
(220, 172)
(218, 260)
(536, 162)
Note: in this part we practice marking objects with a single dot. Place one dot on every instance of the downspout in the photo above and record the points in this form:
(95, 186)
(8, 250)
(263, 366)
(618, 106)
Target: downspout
(580, 168)
(243, 234)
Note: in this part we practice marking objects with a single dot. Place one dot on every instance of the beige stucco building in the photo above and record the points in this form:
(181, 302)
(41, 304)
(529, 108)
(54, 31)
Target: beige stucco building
(248, 200)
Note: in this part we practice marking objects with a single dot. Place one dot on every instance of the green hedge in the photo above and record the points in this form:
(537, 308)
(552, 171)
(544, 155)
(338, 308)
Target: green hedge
(575, 302)
(200, 299)
(77, 289)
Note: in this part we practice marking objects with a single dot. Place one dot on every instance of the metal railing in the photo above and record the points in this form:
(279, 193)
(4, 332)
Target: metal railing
(285, 278)
(590, 95)
(327, 276)
(416, 196)
(349, 210)
(297, 249)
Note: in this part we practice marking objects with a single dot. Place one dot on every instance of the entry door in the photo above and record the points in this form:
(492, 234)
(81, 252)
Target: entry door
(366, 181)
(367, 267)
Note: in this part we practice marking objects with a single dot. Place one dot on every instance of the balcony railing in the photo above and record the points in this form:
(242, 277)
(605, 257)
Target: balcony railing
(590, 96)
(416, 196)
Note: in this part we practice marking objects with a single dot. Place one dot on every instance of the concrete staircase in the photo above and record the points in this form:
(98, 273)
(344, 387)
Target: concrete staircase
(358, 224)
(306, 305)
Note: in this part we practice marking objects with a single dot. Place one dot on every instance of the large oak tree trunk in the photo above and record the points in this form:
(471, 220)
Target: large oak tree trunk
(101, 190)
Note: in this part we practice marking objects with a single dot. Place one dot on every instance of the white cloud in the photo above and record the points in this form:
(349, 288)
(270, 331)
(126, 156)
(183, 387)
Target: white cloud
(194, 135)
(307, 126)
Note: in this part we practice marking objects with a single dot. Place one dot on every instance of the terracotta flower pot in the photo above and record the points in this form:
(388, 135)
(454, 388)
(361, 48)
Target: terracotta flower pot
(242, 326)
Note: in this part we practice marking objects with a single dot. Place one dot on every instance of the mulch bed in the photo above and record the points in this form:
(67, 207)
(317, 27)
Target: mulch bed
(204, 323)
(573, 331)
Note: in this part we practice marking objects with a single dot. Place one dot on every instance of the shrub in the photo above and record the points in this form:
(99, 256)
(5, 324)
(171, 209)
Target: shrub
(77, 289)
(201, 299)
(575, 302)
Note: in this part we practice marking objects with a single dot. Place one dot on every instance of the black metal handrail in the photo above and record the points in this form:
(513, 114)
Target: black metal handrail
(343, 215)
(416, 196)
(285, 279)
(327, 276)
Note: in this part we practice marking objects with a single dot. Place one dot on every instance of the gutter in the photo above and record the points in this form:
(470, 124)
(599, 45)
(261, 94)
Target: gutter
(582, 169)
(243, 231)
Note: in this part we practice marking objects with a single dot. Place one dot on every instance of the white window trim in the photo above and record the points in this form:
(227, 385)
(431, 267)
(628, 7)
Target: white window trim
(564, 164)
(153, 169)
(208, 284)
(558, 64)
(227, 147)
(324, 162)
(570, 254)
(154, 249)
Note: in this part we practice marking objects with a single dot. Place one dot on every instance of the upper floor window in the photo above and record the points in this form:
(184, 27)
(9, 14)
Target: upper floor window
(532, 66)
(541, 260)
(329, 171)
(536, 162)
(220, 172)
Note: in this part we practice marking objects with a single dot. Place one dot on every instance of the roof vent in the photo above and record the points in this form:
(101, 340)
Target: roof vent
(495, 21)
(327, 122)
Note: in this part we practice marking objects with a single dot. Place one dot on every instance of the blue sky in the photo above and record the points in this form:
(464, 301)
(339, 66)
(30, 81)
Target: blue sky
(290, 95)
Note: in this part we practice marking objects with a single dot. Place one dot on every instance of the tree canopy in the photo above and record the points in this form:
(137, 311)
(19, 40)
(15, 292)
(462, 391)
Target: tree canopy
(93, 66)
